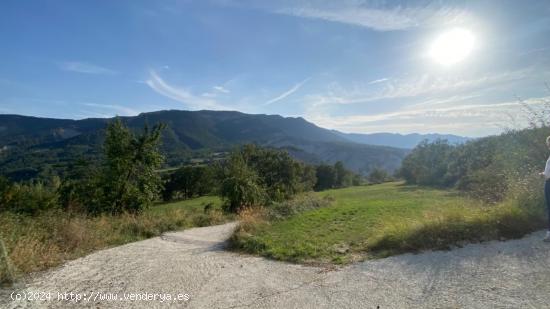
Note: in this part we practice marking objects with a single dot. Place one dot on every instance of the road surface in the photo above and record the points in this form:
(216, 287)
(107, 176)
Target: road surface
(192, 269)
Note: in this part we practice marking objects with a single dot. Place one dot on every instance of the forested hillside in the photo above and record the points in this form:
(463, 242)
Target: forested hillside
(33, 147)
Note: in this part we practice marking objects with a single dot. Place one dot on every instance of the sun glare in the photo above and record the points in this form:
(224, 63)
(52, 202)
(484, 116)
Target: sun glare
(452, 46)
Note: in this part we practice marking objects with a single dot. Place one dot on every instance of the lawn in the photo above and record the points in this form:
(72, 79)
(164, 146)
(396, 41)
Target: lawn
(39, 242)
(379, 220)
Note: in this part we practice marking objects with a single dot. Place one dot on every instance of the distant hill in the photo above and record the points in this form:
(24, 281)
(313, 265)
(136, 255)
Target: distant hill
(407, 141)
(31, 146)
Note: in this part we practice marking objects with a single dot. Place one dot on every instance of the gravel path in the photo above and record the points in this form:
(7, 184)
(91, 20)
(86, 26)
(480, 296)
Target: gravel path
(511, 274)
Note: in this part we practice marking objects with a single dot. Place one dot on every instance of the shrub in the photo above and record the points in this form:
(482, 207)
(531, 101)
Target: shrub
(188, 182)
(240, 186)
(378, 176)
(29, 198)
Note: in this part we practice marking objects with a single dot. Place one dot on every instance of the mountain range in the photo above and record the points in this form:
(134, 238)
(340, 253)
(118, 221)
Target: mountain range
(32, 146)
(408, 141)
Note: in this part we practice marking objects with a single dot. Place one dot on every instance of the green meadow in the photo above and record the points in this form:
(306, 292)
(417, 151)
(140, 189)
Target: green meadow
(380, 220)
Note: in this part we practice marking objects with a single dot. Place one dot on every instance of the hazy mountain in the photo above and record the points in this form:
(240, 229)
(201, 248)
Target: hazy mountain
(408, 141)
(31, 146)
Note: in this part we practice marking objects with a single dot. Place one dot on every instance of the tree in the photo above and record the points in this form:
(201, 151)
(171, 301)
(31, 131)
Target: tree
(81, 189)
(129, 178)
(378, 175)
(326, 177)
(240, 185)
(343, 177)
(279, 174)
(29, 198)
(253, 175)
(189, 181)
(428, 163)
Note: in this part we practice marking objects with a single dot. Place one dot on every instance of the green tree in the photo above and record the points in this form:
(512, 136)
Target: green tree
(279, 174)
(428, 163)
(129, 178)
(29, 198)
(326, 177)
(240, 185)
(378, 175)
(189, 181)
(343, 177)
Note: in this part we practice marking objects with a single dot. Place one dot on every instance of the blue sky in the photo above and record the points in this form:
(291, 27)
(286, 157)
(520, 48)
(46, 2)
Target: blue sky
(351, 65)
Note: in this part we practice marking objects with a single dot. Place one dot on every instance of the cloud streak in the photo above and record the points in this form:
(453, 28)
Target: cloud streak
(85, 68)
(470, 119)
(221, 89)
(361, 13)
(287, 93)
(125, 111)
(422, 85)
(376, 81)
(156, 83)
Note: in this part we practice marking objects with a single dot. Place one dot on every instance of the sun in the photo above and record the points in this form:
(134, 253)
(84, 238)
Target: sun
(452, 46)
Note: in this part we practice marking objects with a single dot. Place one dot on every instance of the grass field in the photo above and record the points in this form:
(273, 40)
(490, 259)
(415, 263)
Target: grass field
(36, 243)
(380, 220)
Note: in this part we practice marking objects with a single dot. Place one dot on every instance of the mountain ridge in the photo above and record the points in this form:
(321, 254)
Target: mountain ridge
(33, 146)
(407, 141)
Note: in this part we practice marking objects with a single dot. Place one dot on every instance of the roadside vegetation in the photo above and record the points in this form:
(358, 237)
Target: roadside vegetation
(485, 189)
(450, 195)
(380, 220)
(38, 242)
(116, 199)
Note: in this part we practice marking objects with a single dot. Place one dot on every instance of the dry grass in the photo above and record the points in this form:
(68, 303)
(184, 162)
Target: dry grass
(40, 242)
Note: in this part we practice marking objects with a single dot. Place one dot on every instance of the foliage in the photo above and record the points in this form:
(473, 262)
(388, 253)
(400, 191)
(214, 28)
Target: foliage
(280, 175)
(427, 163)
(326, 177)
(485, 168)
(378, 176)
(254, 176)
(188, 182)
(335, 176)
(240, 184)
(129, 177)
(36, 148)
(29, 198)
(81, 190)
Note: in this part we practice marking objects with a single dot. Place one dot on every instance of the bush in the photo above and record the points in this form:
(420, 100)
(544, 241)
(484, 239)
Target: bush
(240, 186)
(28, 198)
(427, 163)
(378, 176)
(189, 182)
(254, 176)
(485, 168)
(335, 176)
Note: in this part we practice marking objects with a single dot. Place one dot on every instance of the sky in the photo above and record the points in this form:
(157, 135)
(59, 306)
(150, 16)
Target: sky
(351, 65)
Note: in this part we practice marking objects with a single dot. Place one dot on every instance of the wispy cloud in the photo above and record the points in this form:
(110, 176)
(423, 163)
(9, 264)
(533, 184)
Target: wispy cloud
(84, 67)
(287, 93)
(376, 81)
(467, 118)
(412, 87)
(221, 89)
(156, 83)
(122, 110)
(380, 18)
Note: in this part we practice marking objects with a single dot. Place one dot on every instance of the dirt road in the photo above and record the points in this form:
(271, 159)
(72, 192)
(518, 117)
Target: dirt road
(192, 265)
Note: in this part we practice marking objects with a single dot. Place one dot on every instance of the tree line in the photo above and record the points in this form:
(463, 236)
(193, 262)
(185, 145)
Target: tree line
(488, 168)
(126, 178)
